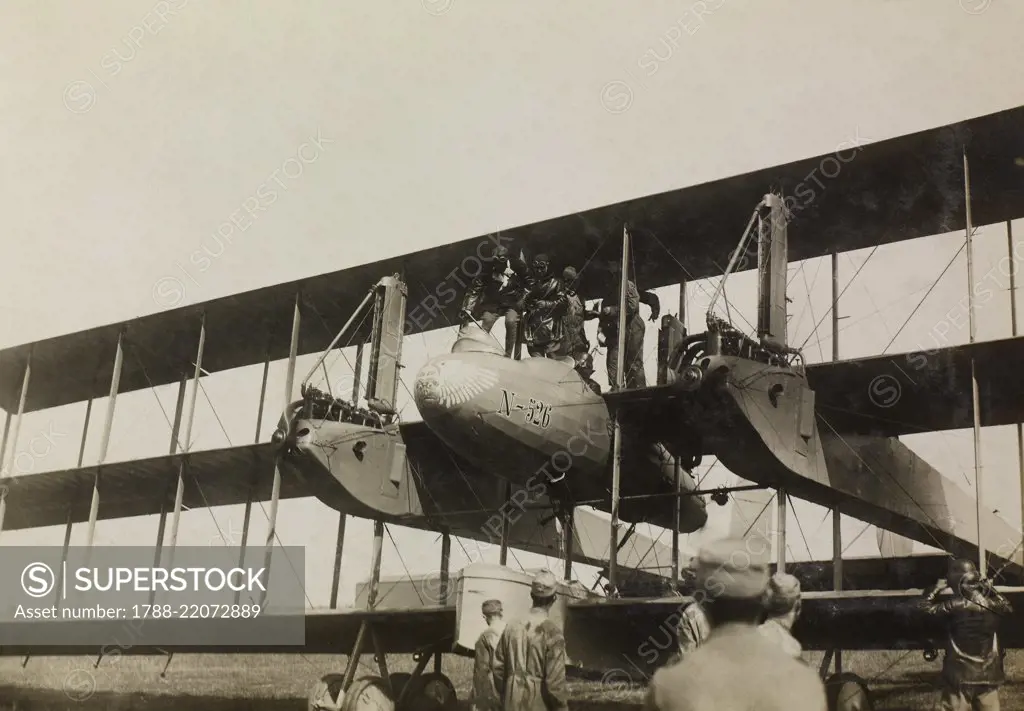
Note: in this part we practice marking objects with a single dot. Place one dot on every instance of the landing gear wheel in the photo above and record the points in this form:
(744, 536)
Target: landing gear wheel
(433, 692)
(368, 694)
(847, 692)
(324, 694)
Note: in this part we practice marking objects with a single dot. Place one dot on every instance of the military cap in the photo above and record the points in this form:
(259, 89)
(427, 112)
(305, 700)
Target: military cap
(544, 584)
(569, 273)
(491, 607)
(500, 252)
(730, 568)
(784, 590)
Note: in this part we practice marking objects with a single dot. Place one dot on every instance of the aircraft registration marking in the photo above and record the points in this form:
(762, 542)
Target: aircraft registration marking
(535, 412)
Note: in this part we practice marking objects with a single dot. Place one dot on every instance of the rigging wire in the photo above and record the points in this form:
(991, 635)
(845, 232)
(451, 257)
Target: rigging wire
(848, 285)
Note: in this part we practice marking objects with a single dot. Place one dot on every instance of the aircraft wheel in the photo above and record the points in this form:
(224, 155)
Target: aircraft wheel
(847, 692)
(433, 692)
(325, 693)
(368, 694)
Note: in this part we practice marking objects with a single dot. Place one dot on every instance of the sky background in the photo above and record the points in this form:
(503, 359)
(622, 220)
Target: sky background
(132, 131)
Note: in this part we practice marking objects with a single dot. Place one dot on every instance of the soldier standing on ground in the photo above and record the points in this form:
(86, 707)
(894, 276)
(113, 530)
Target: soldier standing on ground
(782, 607)
(485, 697)
(737, 667)
(972, 667)
(529, 664)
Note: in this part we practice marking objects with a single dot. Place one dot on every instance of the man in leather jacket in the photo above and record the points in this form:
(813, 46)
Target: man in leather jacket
(545, 306)
(497, 291)
(972, 668)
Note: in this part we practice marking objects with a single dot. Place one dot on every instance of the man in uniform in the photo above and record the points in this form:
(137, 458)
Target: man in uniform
(694, 626)
(574, 338)
(972, 667)
(633, 363)
(782, 605)
(497, 291)
(529, 664)
(694, 629)
(545, 307)
(485, 698)
(737, 667)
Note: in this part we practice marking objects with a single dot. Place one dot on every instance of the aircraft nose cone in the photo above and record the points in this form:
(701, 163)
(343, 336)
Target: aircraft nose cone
(449, 382)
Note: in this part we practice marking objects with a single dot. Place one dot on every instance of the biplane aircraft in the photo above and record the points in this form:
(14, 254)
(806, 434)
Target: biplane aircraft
(529, 436)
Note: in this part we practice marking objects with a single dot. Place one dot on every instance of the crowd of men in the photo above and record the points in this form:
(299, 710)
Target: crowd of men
(549, 315)
(736, 647)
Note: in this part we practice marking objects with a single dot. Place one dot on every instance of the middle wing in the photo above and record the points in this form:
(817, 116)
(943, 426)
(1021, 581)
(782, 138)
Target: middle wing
(922, 391)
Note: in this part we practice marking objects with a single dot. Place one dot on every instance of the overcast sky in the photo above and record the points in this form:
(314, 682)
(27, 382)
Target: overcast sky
(132, 131)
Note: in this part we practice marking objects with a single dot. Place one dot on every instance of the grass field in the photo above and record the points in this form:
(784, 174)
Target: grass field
(281, 682)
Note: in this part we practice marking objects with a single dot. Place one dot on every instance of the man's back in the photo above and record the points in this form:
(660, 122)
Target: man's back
(529, 666)
(485, 697)
(737, 669)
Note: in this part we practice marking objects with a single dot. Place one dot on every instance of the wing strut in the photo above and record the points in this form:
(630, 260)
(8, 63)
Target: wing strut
(108, 423)
(620, 373)
(17, 431)
(289, 387)
(974, 375)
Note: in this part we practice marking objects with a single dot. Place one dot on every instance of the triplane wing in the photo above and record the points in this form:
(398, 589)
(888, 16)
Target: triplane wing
(826, 433)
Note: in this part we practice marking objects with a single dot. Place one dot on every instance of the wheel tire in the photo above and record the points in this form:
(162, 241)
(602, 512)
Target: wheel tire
(368, 694)
(325, 692)
(433, 692)
(847, 692)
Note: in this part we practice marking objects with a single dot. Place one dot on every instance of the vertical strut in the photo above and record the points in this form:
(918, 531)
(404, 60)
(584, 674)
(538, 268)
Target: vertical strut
(982, 557)
(339, 546)
(12, 453)
(506, 525)
(161, 529)
(275, 490)
(247, 516)
(357, 373)
(781, 495)
(837, 567)
(676, 515)
(1013, 324)
(568, 540)
(613, 548)
(446, 555)
(835, 306)
(68, 526)
(837, 518)
(3, 443)
(108, 423)
(179, 493)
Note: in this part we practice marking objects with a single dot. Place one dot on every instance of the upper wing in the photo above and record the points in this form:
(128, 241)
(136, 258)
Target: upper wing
(923, 391)
(872, 194)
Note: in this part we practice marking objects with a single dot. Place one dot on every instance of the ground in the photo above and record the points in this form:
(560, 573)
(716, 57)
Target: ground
(902, 680)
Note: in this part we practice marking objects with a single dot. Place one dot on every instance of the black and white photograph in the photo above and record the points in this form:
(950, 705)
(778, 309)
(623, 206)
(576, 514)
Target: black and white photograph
(438, 355)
